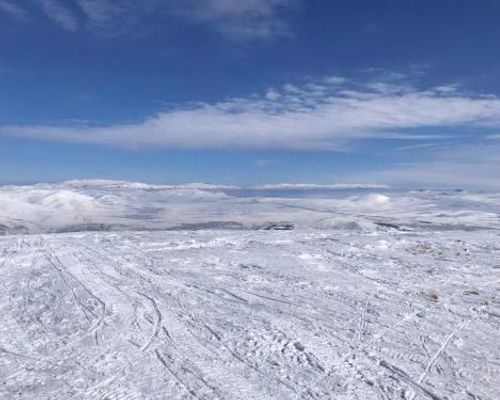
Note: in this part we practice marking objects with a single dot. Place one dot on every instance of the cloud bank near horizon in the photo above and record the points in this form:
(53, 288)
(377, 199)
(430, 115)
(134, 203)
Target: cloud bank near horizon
(327, 114)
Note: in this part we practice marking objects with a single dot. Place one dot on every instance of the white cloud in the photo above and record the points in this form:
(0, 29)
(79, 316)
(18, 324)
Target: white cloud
(99, 12)
(237, 19)
(335, 80)
(60, 14)
(309, 186)
(12, 9)
(314, 116)
(272, 94)
(118, 16)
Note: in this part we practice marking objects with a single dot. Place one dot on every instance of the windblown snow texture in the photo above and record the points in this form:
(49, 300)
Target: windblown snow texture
(353, 299)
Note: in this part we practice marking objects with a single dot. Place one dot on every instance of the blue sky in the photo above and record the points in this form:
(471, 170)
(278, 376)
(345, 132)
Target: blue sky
(251, 91)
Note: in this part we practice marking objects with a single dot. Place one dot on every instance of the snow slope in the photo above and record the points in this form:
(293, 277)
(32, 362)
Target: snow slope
(360, 300)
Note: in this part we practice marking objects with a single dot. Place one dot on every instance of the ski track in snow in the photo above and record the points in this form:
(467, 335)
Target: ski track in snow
(250, 315)
(359, 295)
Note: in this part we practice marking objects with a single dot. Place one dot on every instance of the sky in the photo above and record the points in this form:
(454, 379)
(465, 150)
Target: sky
(399, 92)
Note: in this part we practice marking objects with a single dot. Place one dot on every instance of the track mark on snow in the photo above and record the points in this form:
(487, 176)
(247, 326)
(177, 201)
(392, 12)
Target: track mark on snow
(147, 344)
(408, 380)
(434, 358)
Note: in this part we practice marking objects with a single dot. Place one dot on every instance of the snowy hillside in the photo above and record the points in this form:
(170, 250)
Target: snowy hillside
(111, 290)
(114, 205)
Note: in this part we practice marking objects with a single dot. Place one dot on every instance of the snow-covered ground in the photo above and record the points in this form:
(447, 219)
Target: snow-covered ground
(109, 205)
(111, 290)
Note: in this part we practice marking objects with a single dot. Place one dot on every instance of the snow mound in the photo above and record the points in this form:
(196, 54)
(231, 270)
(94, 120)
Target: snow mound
(40, 210)
(374, 200)
(347, 224)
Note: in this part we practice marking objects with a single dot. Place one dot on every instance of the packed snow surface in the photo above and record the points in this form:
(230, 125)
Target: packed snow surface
(117, 291)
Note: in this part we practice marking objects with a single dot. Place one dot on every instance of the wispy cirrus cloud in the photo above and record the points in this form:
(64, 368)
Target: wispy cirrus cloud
(62, 15)
(238, 19)
(13, 9)
(234, 19)
(326, 114)
(101, 13)
(119, 16)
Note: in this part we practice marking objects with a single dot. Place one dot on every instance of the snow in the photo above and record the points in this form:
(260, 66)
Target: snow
(367, 294)
(117, 205)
